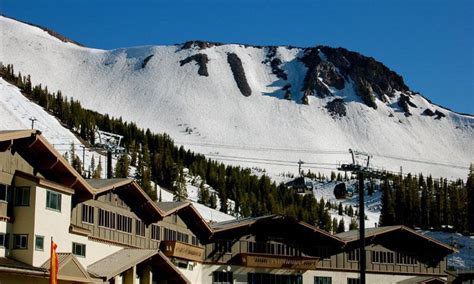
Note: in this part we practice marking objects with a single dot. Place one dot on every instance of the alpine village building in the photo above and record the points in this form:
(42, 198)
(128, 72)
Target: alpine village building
(110, 231)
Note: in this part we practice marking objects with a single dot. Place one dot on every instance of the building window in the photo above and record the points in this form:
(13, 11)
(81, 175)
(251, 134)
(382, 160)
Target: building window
(87, 214)
(323, 252)
(4, 240)
(182, 237)
(170, 235)
(22, 196)
(382, 257)
(79, 249)
(220, 277)
(106, 219)
(322, 280)
(139, 228)
(257, 278)
(194, 240)
(39, 242)
(406, 259)
(353, 281)
(53, 200)
(4, 192)
(223, 246)
(353, 255)
(124, 223)
(20, 241)
(155, 232)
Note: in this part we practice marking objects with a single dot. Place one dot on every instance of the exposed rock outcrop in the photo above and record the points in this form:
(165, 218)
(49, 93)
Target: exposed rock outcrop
(239, 74)
(201, 60)
(336, 107)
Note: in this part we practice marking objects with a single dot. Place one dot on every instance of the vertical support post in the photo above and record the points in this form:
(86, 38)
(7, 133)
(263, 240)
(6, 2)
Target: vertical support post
(83, 159)
(109, 164)
(362, 259)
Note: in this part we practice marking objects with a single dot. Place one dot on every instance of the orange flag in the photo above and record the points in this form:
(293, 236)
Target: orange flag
(53, 264)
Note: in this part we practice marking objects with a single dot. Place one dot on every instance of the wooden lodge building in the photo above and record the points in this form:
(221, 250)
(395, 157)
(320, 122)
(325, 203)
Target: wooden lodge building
(110, 231)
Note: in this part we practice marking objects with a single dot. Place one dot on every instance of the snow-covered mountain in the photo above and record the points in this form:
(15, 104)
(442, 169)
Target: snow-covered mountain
(245, 104)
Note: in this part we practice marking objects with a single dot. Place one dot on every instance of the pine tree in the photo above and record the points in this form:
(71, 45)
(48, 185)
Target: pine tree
(91, 167)
(75, 160)
(180, 192)
(213, 201)
(353, 225)
(470, 199)
(203, 194)
(122, 167)
(334, 225)
(425, 206)
(350, 211)
(340, 226)
(340, 210)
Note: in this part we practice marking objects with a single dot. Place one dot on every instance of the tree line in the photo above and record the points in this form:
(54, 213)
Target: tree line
(428, 203)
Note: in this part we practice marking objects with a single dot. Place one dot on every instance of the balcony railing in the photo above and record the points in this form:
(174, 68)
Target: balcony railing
(275, 261)
(182, 250)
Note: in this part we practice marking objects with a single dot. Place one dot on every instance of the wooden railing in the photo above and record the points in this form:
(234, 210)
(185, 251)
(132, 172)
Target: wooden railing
(275, 261)
(182, 250)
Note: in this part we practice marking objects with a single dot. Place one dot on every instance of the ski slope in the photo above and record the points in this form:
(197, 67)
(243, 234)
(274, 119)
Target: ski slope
(16, 111)
(209, 114)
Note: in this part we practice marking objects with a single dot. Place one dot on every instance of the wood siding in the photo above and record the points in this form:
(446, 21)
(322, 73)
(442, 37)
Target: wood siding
(112, 203)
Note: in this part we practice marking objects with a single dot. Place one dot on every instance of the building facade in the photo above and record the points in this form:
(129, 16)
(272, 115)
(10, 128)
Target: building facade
(110, 231)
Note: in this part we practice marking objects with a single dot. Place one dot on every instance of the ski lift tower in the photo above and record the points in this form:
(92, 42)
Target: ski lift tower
(360, 166)
(110, 142)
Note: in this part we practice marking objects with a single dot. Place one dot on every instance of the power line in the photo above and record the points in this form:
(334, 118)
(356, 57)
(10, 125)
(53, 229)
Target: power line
(321, 152)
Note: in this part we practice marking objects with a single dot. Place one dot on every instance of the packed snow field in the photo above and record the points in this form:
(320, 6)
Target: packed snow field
(209, 114)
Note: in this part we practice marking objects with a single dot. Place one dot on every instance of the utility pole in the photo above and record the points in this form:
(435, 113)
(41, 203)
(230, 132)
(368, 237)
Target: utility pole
(83, 159)
(363, 171)
(33, 119)
(299, 166)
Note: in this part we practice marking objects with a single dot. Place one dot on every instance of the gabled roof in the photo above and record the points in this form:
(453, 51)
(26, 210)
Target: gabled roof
(170, 207)
(101, 185)
(44, 159)
(11, 265)
(118, 262)
(264, 224)
(34, 148)
(353, 235)
(189, 215)
(69, 268)
(135, 197)
(232, 224)
(44, 182)
(125, 259)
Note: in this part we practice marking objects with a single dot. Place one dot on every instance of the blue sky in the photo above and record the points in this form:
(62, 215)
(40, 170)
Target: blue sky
(429, 42)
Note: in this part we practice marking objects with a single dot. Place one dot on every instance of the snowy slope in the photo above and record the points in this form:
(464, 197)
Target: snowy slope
(210, 115)
(15, 112)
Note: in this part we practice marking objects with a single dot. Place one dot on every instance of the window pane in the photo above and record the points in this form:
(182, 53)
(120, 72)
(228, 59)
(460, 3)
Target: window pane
(39, 243)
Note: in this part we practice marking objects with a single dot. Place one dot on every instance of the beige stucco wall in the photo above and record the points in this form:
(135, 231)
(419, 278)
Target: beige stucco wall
(203, 274)
(24, 223)
(51, 223)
